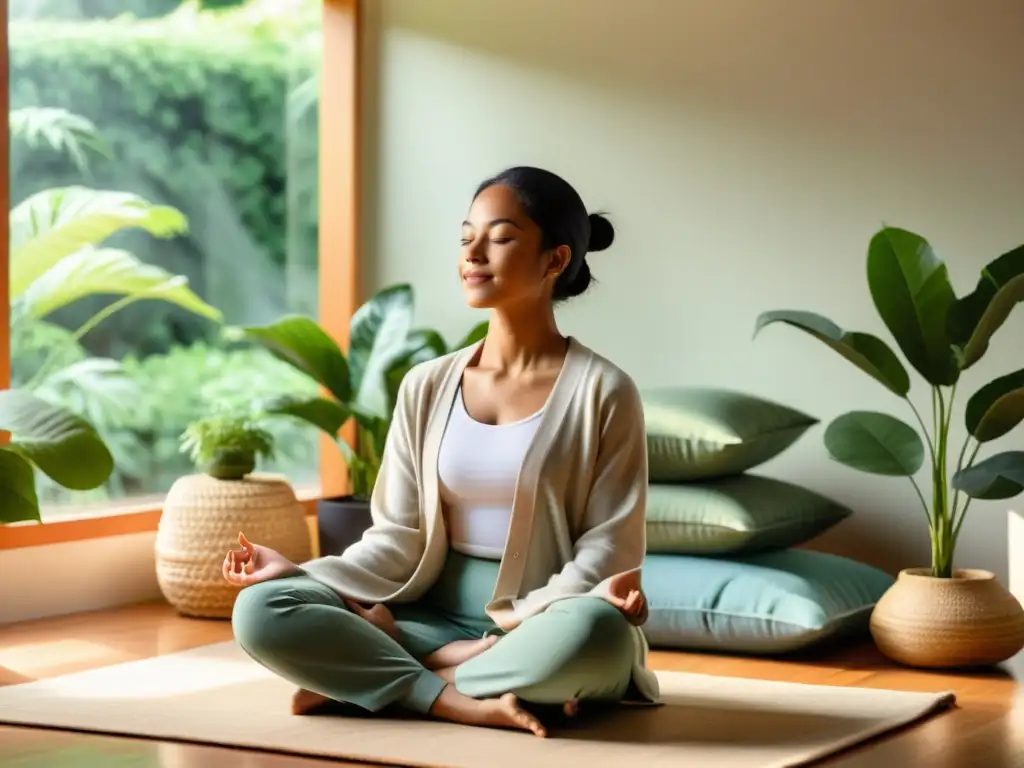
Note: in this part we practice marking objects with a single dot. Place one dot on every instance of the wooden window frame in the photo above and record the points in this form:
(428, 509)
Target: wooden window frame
(338, 278)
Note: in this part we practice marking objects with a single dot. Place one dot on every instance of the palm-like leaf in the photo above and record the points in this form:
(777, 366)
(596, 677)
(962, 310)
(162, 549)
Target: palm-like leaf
(60, 130)
(109, 271)
(55, 223)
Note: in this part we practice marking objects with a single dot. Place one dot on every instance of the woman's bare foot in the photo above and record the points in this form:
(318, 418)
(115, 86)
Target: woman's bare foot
(304, 702)
(503, 712)
(458, 652)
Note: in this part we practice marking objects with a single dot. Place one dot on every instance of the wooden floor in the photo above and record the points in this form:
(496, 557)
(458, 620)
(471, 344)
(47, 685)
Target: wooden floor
(985, 730)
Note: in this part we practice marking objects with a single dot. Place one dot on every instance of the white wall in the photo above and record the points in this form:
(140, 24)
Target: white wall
(77, 576)
(746, 151)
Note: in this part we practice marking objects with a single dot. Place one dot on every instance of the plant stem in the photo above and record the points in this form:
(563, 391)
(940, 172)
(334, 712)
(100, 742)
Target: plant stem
(84, 328)
(924, 429)
(943, 537)
(959, 521)
(927, 512)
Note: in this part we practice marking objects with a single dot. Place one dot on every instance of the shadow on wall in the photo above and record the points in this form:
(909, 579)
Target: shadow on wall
(797, 63)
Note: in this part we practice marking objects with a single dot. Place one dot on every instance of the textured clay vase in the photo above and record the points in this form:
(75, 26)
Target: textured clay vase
(201, 520)
(969, 620)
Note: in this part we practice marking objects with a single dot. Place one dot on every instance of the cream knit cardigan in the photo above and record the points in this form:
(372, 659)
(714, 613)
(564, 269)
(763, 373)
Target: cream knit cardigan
(578, 516)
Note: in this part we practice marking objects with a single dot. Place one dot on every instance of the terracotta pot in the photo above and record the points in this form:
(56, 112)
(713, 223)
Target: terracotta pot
(966, 621)
(201, 519)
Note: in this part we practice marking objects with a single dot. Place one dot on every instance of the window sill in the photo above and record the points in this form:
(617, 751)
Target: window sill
(96, 521)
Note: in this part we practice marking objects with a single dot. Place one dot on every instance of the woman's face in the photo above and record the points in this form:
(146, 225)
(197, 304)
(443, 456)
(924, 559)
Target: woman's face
(501, 262)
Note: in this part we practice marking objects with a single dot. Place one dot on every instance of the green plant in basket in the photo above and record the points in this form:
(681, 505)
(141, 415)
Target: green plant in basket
(362, 386)
(227, 446)
(942, 336)
(52, 439)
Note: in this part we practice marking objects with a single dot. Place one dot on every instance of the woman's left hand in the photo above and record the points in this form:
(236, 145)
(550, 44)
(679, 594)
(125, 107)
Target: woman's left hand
(626, 594)
(378, 615)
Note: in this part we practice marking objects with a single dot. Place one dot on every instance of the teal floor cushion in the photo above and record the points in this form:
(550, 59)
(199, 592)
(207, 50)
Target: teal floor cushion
(771, 603)
(742, 514)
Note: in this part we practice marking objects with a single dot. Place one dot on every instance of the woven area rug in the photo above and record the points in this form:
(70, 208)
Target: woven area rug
(216, 695)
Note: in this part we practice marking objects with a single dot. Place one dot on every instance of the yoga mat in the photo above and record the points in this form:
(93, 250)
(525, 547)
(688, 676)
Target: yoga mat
(216, 695)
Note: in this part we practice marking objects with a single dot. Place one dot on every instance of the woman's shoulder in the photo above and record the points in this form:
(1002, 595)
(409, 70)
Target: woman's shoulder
(606, 378)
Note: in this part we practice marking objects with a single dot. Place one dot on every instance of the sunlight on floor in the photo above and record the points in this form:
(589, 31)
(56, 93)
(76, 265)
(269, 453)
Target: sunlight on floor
(33, 659)
(152, 679)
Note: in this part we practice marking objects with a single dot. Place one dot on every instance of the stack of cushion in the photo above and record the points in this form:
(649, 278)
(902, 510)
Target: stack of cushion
(723, 571)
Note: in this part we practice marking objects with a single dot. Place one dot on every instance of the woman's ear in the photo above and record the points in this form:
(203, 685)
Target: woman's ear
(560, 257)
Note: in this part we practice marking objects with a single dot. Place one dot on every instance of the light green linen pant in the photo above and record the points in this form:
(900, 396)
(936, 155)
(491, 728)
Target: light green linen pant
(579, 648)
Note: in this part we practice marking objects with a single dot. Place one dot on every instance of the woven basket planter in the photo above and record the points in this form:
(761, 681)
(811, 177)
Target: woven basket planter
(969, 620)
(201, 520)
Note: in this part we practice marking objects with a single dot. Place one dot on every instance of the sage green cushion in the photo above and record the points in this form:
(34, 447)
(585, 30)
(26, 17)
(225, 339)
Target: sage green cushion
(739, 514)
(775, 602)
(696, 433)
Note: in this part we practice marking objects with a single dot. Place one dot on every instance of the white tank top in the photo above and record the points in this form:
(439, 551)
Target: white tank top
(478, 466)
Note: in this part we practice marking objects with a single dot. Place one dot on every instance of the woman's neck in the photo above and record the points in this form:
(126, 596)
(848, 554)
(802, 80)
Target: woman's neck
(519, 339)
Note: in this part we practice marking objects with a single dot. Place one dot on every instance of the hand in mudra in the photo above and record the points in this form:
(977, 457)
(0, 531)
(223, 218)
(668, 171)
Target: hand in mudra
(252, 564)
(626, 594)
(378, 615)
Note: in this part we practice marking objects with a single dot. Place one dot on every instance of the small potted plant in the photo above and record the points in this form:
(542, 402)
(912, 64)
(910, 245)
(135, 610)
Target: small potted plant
(204, 512)
(936, 616)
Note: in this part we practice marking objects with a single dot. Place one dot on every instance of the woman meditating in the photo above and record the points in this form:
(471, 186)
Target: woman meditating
(502, 567)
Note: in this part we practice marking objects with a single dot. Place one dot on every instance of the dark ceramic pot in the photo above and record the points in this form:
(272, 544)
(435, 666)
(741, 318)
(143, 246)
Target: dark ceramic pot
(341, 522)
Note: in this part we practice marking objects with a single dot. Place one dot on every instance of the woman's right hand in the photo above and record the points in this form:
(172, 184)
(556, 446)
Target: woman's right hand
(252, 564)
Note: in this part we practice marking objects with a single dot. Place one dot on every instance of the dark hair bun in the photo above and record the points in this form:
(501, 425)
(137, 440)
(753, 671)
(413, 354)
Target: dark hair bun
(567, 289)
(602, 233)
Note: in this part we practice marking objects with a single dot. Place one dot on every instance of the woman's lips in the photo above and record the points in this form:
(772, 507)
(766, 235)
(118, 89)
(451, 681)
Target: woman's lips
(475, 278)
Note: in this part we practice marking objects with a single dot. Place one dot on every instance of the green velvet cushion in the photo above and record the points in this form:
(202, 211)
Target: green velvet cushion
(775, 602)
(740, 514)
(696, 433)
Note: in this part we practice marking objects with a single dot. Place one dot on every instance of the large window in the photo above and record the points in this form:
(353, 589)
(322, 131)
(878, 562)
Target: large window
(163, 185)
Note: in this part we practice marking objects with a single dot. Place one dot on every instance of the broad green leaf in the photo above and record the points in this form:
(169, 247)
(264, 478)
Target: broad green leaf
(911, 291)
(420, 345)
(479, 332)
(323, 413)
(875, 442)
(90, 271)
(18, 499)
(867, 352)
(996, 408)
(64, 446)
(425, 344)
(369, 420)
(997, 477)
(379, 330)
(976, 317)
(300, 342)
(55, 223)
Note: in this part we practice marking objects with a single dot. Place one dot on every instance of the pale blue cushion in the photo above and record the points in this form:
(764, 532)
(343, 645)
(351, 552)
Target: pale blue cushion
(769, 603)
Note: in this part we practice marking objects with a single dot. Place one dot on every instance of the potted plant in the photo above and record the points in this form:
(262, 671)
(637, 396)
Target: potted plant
(362, 386)
(52, 439)
(204, 512)
(938, 616)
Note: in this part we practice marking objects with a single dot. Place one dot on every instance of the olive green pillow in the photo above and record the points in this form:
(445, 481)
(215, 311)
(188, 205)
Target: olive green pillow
(732, 515)
(696, 433)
